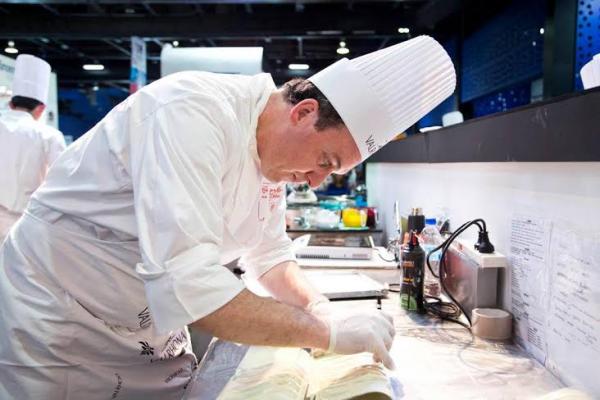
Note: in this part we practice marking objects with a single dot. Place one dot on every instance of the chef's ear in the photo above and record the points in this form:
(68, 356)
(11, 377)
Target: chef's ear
(305, 112)
(38, 111)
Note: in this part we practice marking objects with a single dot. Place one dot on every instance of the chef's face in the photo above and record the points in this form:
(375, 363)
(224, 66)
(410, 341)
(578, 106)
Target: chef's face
(304, 154)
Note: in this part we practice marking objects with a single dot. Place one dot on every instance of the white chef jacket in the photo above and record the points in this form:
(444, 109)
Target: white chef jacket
(176, 167)
(131, 229)
(28, 149)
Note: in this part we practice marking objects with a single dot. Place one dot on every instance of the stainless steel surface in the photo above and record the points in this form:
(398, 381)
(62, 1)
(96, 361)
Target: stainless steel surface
(472, 286)
(376, 234)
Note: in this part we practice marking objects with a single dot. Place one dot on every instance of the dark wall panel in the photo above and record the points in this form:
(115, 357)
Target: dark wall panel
(506, 51)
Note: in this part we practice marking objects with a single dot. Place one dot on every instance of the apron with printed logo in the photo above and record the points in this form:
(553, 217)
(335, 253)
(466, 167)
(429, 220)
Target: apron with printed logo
(74, 319)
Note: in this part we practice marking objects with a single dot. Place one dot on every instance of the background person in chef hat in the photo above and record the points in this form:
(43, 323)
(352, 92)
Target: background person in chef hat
(28, 146)
(137, 219)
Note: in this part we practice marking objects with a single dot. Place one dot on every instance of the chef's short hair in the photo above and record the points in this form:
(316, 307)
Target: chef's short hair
(299, 89)
(25, 102)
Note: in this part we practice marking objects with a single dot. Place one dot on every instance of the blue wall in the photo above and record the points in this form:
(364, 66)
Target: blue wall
(498, 62)
(588, 35)
(507, 51)
(502, 100)
(80, 110)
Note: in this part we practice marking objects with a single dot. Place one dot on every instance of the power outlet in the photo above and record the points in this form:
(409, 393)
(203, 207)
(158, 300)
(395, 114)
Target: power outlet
(492, 260)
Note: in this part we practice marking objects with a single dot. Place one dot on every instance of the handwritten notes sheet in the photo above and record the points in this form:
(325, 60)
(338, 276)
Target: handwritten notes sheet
(529, 247)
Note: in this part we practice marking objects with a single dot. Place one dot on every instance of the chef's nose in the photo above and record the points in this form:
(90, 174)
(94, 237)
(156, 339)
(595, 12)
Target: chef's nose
(316, 178)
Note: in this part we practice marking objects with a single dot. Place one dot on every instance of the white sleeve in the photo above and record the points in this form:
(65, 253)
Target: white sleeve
(177, 165)
(275, 246)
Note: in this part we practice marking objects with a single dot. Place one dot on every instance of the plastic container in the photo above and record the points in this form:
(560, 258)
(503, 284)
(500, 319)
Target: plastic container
(354, 218)
(430, 239)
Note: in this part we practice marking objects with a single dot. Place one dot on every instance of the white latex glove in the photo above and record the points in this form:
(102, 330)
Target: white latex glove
(372, 332)
(321, 306)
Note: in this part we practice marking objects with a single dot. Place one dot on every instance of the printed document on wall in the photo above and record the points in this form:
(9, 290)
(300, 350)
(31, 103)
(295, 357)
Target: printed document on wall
(529, 251)
(573, 336)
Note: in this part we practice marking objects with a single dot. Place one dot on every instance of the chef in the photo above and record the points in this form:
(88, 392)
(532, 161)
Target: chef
(125, 243)
(28, 145)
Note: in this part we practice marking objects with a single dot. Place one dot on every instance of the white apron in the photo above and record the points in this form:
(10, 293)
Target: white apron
(62, 344)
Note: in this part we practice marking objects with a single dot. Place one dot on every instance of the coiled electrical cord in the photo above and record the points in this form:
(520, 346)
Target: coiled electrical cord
(449, 311)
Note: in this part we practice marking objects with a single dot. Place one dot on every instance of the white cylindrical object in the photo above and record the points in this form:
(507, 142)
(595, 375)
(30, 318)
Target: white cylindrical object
(452, 118)
(491, 323)
(590, 73)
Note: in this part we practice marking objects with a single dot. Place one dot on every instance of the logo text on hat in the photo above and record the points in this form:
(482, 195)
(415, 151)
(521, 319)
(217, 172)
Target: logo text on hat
(372, 147)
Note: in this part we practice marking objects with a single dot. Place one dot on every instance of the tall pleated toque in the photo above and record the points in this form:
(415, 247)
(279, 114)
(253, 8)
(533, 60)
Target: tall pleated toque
(381, 94)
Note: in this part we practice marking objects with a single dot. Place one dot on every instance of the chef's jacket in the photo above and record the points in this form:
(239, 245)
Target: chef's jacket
(175, 167)
(28, 148)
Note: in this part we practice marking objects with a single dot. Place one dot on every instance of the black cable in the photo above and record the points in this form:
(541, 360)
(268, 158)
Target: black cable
(444, 271)
(453, 235)
(444, 310)
(383, 258)
(449, 311)
(394, 287)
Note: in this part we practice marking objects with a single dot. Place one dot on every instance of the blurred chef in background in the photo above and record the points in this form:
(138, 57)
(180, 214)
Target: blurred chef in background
(137, 219)
(28, 146)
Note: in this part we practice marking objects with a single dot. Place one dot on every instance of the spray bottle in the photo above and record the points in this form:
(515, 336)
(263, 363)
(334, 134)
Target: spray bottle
(413, 274)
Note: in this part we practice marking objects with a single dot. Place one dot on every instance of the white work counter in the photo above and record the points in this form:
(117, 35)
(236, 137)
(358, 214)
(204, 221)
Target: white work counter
(434, 359)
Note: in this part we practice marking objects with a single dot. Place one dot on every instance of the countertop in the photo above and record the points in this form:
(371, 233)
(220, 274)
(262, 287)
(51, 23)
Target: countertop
(434, 359)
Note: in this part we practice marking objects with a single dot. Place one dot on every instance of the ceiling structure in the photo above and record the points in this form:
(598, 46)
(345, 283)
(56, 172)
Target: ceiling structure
(71, 33)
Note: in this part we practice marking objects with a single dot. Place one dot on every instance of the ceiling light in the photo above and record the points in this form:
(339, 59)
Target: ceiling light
(343, 49)
(95, 88)
(403, 30)
(93, 67)
(45, 40)
(129, 10)
(541, 31)
(330, 32)
(64, 46)
(299, 66)
(11, 49)
(175, 43)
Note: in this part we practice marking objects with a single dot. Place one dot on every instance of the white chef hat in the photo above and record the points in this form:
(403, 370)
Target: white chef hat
(381, 94)
(32, 78)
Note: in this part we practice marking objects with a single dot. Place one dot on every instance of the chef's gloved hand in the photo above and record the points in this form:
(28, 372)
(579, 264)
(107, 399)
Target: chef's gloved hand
(380, 322)
(372, 332)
